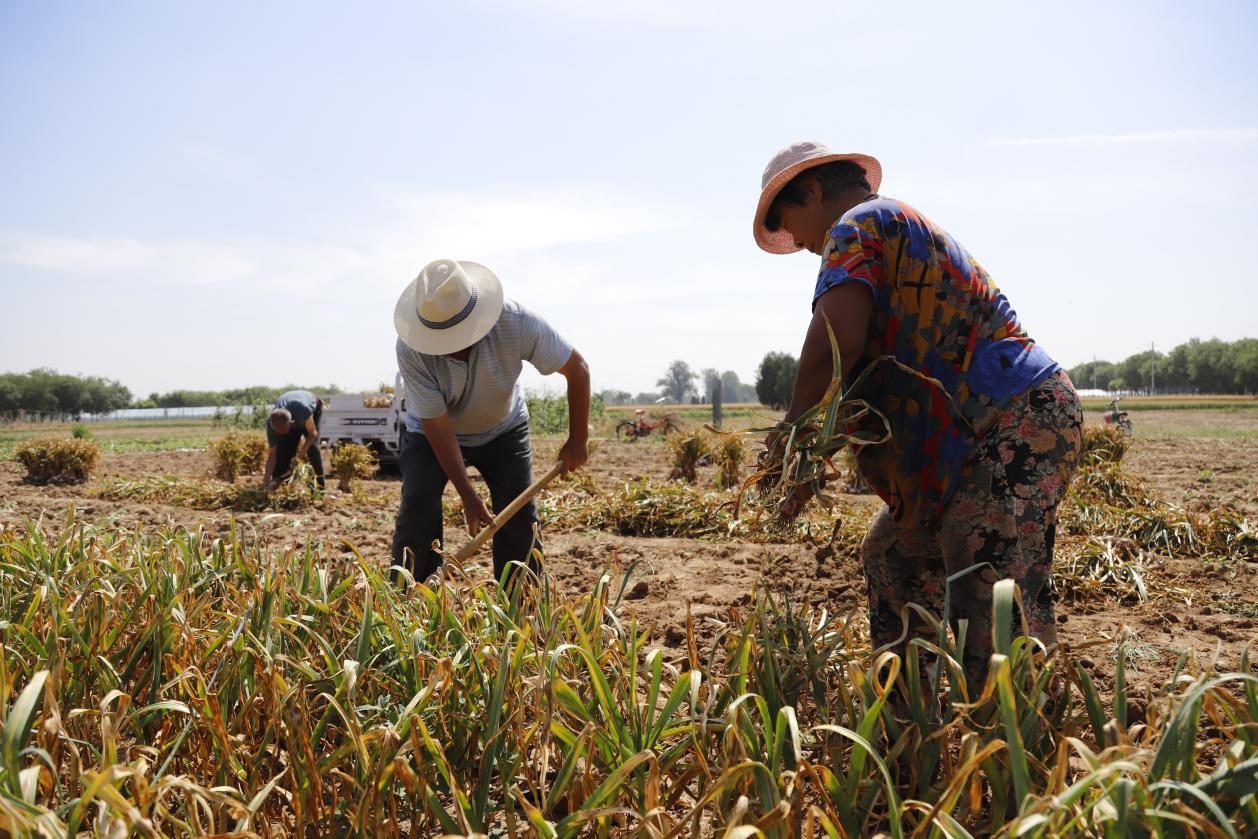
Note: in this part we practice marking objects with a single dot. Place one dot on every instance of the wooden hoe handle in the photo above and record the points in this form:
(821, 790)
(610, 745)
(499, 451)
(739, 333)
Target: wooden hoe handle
(483, 535)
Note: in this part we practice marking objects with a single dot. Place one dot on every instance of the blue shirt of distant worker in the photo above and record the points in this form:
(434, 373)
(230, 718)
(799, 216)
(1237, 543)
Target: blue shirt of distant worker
(292, 430)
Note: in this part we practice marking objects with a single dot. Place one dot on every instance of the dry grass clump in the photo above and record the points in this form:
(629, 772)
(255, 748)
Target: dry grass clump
(207, 686)
(1103, 569)
(1103, 444)
(635, 508)
(730, 453)
(1227, 531)
(687, 451)
(237, 453)
(62, 460)
(1108, 501)
(350, 461)
(377, 401)
(299, 491)
(668, 509)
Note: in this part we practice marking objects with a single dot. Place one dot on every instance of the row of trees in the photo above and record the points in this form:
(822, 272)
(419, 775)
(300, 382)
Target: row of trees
(46, 391)
(235, 396)
(681, 384)
(50, 392)
(1197, 366)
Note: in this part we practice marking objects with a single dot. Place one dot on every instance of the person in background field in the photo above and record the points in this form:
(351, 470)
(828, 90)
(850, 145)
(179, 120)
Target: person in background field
(292, 430)
(460, 350)
(974, 472)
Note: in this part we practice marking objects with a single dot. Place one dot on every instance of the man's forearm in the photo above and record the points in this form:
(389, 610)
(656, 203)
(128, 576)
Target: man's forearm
(579, 404)
(309, 437)
(445, 445)
(269, 469)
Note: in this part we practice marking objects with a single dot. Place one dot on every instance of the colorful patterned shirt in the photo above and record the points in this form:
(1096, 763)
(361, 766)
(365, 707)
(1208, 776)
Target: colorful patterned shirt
(938, 312)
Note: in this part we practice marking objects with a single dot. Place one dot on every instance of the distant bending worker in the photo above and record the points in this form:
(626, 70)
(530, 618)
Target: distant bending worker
(460, 350)
(292, 430)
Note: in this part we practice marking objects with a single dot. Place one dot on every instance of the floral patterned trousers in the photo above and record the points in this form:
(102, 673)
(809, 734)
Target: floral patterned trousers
(1002, 517)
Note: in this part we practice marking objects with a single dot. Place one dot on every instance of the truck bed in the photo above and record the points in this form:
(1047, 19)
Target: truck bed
(369, 419)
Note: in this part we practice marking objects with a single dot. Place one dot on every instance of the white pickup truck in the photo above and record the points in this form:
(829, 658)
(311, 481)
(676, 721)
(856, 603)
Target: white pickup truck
(373, 420)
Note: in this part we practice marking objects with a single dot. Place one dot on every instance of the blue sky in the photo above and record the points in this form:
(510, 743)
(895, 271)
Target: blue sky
(209, 195)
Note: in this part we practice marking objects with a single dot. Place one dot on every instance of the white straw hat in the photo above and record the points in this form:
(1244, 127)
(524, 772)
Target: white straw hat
(448, 307)
(784, 166)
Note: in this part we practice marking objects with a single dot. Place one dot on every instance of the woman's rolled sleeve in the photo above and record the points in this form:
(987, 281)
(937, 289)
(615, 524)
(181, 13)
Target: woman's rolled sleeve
(850, 255)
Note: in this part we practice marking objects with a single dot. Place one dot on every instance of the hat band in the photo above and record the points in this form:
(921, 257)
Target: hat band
(454, 321)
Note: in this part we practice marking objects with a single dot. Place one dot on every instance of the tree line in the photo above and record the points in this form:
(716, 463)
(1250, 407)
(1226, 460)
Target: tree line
(46, 391)
(256, 395)
(681, 384)
(1195, 366)
(50, 392)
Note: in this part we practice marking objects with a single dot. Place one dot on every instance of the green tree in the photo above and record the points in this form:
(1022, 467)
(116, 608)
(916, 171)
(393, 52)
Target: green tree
(37, 391)
(1197, 366)
(1173, 371)
(776, 378)
(612, 396)
(1245, 365)
(1209, 366)
(735, 390)
(1137, 370)
(48, 391)
(10, 392)
(678, 383)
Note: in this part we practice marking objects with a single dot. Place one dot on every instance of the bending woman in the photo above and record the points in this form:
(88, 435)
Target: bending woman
(970, 477)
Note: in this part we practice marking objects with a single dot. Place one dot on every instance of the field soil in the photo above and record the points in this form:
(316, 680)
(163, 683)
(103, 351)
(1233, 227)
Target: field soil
(1208, 610)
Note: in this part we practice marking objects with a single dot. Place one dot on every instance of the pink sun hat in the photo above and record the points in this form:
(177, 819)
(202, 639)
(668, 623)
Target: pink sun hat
(784, 166)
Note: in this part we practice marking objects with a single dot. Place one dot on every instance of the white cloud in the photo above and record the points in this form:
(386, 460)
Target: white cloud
(181, 263)
(1224, 135)
(572, 255)
(497, 226)
(526, 236)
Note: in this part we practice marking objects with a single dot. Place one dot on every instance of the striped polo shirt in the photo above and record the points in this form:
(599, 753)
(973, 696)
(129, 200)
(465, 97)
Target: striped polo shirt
(482, 395)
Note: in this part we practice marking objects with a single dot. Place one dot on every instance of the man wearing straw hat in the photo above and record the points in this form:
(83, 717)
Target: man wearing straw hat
(985, 426)
(460, 350)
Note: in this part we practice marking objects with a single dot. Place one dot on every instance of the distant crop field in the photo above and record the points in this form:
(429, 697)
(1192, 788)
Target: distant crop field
(121, 437)
(1129, 403)
(696, 411)
(1175, 403)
